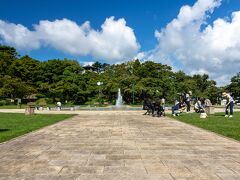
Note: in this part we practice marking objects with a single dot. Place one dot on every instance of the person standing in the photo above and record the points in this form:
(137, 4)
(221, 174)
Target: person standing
(163, 103)
(59, 105)
(188, 99)
(229, 104)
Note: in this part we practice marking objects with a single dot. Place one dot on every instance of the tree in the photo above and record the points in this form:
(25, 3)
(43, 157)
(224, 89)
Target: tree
(25, 68)
(15, 88)
(7, 57)
(234, 86)
(66, 80)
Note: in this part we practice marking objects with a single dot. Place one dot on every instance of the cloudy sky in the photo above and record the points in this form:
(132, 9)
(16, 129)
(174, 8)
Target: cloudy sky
(197, 36)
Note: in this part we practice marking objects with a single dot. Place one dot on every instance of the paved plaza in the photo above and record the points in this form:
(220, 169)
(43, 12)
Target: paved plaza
(120, 145)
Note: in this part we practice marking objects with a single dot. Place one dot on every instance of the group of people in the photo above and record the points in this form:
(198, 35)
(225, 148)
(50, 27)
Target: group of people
(200, 104)
(183, 104)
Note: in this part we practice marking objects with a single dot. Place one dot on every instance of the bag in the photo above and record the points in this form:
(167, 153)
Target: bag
(203, 115)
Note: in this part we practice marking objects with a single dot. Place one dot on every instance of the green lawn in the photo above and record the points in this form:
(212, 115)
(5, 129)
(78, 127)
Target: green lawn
(13, 125)
(217, 123)
(12, 106)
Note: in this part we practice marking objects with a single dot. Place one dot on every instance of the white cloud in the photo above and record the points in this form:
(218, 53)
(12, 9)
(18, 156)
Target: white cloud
(115, 41)
(88, 63)
(200, 47)
(199, 71)
(140, 55)
(18, 35)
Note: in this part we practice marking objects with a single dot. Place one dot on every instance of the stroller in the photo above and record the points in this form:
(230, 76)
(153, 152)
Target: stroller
(147, 105)
(158, 110)
(153, 108)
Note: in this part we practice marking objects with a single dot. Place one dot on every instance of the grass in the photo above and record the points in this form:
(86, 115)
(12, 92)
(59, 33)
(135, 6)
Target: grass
(229, 127)
(13, 106)
(13, 125)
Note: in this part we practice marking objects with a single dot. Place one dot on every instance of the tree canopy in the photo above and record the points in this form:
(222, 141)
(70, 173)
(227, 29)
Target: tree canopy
(67, 80)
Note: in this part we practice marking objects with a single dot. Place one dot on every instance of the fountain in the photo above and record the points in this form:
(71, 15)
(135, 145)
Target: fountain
(119, 101)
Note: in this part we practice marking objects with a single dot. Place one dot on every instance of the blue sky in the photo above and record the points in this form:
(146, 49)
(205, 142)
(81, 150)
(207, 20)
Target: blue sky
(144, 17)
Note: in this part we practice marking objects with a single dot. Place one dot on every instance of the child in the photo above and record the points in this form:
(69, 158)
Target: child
(175, 108)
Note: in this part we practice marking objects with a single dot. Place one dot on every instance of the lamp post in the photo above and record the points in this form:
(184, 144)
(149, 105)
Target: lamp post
(99, 83)
(158, 72)
(133, 92)
(130, 67)
(132, 86)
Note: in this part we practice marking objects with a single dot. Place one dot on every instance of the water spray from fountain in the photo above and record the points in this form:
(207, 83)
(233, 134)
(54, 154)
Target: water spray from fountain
(119, 101)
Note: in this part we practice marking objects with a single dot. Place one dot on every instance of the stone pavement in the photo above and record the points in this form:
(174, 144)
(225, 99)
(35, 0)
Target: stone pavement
(120, 145)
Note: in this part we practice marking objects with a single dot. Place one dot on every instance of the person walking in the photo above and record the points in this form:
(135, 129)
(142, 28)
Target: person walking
(229, 104)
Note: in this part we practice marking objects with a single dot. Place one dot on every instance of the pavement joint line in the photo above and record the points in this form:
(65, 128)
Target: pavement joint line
(61, 170)
(218, 176)
(172, 176)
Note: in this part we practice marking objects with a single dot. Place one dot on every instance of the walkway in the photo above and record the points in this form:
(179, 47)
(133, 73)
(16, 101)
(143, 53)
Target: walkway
(120, 145)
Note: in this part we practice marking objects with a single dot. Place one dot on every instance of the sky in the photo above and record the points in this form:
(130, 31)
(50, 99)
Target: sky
(196, 36)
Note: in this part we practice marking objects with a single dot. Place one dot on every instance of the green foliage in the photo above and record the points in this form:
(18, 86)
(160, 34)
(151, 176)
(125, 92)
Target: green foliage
(65, 80)
(3, 102)
(15, 88)
(7, 57)
(25, 68)
(41, 102)
(234, 86)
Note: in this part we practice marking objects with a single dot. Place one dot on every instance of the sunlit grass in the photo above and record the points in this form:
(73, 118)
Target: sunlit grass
(13, 125)
(229, 127)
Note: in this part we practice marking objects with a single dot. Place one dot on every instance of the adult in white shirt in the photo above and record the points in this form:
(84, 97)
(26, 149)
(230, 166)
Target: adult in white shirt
(188, 99)
(59, 105)
(229, 104)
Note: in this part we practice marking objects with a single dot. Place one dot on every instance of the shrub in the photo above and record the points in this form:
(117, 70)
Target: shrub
(3, 102)
(41, 102)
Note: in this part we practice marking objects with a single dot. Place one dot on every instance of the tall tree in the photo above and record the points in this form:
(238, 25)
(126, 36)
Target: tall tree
(7, 56)
(234, 86)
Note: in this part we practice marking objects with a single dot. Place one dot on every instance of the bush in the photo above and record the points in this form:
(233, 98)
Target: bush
(41, 102)
(31, 104)
(70, 103)
(92, 101)
(3, 102)
(49, 100)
